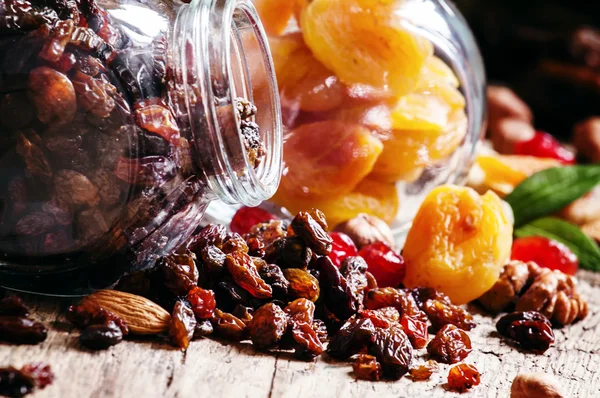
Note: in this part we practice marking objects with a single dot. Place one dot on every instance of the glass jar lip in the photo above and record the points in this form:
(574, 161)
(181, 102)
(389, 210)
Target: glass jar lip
(247, 186)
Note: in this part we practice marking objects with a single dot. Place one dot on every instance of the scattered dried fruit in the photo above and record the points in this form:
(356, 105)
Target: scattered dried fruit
(384, 263)
(366, 367)
(450, 345)
(531, 330)
(462, 377)
(546, 253)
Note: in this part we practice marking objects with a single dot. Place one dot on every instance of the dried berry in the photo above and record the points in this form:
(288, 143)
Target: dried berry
(234, 243)
(462, 377)
(212, 234)
(100, 337)
(312, 231)
(546, 253)
(544, 145)
(245, 314)
(203, 302)
(35, 160)
(423, 372)
(450, 345)
(229, 326)
(245, 274)
(416, 330)
(268, 232)
(354, 270)
(213, 258)
(293, 253)
(179, 272)
(384, 263)
(268, 326)
(441, 314)
(366, 367)
(35, 223)
(75, 188)
(338, 296)
(393, 350)
(531, 330)
(20, 330)
(94, 95)
(273, 275)
(341, 247)
(302, 284)
(321, 330)
(353, 337)
(13, 306)
(247, 217)
(423, 294)
(301, 310)
(40, 372)
(182, 326)
(306, 342)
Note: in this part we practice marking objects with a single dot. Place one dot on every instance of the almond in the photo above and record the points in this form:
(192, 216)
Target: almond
(141, 315)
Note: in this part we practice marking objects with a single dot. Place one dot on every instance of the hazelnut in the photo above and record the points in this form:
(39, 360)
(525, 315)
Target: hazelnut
(506, 132)
(503, 103)
(587, 138)
(535, 385)
(365, 229)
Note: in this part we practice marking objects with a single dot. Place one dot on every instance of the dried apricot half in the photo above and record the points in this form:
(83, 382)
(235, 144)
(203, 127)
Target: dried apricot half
(458, 243)
(274, 14)
(362, 41)
(327, 158)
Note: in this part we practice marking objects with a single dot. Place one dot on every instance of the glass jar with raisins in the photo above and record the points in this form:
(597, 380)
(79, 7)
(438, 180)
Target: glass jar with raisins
(382, 100)
(120, 120)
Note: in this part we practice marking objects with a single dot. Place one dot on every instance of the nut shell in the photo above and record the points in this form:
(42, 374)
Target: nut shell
(535, 385)
(366, 229)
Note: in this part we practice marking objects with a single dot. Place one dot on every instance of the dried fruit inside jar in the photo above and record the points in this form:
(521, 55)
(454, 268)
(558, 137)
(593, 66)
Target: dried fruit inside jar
(366, 103)
(97, 157)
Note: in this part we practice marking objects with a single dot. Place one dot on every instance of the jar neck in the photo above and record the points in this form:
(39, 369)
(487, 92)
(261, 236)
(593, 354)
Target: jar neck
(219, 52)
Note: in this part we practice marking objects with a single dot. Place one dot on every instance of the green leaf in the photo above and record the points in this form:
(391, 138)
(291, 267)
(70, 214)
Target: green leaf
(570, 235)
(550, 190)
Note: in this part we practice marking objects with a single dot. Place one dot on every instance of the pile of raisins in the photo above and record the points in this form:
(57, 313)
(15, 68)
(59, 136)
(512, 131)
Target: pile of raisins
(95, 159)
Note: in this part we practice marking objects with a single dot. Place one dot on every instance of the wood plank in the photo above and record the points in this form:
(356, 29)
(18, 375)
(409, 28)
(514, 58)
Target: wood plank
(211, 368)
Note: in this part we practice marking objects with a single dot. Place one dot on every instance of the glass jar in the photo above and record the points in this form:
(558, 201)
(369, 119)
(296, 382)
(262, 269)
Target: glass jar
(382, 100)
(120, 122)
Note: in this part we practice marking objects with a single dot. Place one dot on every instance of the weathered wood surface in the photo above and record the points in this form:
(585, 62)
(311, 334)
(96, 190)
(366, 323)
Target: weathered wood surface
(144, 369)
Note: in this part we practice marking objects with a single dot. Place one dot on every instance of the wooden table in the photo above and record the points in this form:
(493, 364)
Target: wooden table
(209, 368)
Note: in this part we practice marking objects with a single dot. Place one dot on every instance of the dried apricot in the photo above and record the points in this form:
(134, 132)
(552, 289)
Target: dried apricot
(304, 82)
(274, 14)
(370, 196)
(458, 243)
(362, 42)
(327, 159)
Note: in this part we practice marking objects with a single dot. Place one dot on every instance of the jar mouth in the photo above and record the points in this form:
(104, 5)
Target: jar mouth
(240, 66)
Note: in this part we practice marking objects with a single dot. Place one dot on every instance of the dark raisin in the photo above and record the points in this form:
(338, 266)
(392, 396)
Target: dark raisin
(450, 345)
(210, 235)
(213, 258)
(15, 383)
(393, 350)
(531, 330)
(229, 294)
(312, 232)
(182, 326)
(203, 328)
(293, 253)
(35, 223)
(94, 95)
(353, 337)
(462, 377)
(252, 142)
(321, 330)
(423, 372)
(441, 314)
(273, 275)
(100, 337)
(505, 321)
(147, 171)
(20, 330)
(268, 232)
(87, 313)
(267, 326)
(354, 270)
(244, 272)
(54, 46)
(229, 326)
(234, 243)
(16, 110)
(13, 306)
(366, 367)
(337, 294)
(302, 284)
(245, 314)
(203, 302)
(35, 160)
(179, 272)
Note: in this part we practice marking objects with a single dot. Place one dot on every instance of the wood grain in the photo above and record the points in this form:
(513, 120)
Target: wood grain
(209, 368)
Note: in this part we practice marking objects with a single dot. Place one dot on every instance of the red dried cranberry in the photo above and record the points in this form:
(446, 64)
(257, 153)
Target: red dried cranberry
(341, 248)
(203, 302)
(543, 145)
(546, 253)
(386, 265)
(247, 217)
